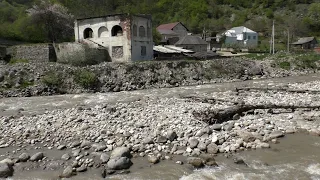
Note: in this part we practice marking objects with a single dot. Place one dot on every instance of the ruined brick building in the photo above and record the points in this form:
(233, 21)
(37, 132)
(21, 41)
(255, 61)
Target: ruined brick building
(126, 37)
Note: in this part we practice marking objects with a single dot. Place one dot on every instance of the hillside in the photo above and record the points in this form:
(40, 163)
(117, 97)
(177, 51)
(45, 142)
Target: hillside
(301, 17)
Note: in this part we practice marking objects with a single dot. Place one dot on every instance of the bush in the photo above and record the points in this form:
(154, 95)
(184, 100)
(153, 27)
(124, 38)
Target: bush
(52, 79)
(285, 65)
(86, 79)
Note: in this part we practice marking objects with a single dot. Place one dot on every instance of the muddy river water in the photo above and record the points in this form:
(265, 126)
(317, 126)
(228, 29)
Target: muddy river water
(297, 156)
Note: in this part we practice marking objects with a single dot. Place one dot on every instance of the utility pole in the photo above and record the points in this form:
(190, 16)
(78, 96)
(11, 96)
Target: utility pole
(273, 37)
(288, 50)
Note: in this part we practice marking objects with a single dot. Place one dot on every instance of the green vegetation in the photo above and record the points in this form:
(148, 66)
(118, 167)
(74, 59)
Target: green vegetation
(285, 65)
(52, 79)
(86, 79)
(257, 56)
(49, 20)
(26, 84)
(15, 61)
(307, 61)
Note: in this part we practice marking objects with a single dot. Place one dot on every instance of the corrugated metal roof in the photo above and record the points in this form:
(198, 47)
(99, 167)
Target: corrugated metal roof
(190, 40)
(163, 49)
(179, 49)
(304, 40)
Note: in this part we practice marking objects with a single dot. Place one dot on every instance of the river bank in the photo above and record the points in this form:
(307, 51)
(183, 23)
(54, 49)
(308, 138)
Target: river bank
(163, 127)
(43, 79)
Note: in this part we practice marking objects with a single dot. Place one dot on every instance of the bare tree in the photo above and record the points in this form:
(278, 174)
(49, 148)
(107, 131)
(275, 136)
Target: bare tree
(55, 18)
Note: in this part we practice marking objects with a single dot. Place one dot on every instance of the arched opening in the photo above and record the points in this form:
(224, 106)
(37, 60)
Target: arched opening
(142, 31)
(103, 32)
(116, 31)
(88, 33)
(135, 30)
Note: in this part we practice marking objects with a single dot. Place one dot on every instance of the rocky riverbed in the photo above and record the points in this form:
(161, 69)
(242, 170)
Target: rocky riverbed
(108, 136)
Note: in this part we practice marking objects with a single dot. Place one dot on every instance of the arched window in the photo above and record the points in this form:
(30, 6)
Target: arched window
(88, 33)
(116, 31)
(135, 30)
(142, 31)
(103, 31)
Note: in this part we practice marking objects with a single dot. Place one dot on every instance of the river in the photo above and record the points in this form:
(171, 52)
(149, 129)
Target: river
(297, 156)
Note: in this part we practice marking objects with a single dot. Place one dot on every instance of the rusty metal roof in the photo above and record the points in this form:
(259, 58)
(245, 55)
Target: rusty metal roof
(170, 26)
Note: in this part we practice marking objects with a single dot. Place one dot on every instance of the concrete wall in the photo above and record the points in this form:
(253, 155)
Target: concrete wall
(181, 30)
(142, 44)
(119, 46)
(123, 47)
(80, 54)
(33, 52)
(251, 40)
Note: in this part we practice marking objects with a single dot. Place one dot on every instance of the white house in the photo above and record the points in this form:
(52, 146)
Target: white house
(126, 37)
(242, 36)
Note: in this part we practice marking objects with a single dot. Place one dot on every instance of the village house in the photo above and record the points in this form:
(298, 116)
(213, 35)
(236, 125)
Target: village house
(241, 36)
(194, 43)
(172, 32)
(126, 37)
(306, 43)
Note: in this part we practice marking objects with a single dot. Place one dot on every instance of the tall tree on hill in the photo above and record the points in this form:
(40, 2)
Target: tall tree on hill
(55, 18)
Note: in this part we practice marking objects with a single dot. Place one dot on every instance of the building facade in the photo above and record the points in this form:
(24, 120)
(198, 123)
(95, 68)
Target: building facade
(193, 43)
(126, 37)
(241, 36)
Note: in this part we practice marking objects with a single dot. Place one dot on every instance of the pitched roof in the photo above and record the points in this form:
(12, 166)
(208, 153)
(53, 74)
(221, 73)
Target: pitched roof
(304, 40)
(233, 32)
(166, 31)
(170, 26)
(189, 39)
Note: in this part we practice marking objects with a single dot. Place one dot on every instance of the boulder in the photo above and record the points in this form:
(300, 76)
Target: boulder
(193, 143)
(7, 161)
(119, 163)
(67, 172)
(216, 127)
(104, 158)
(121, 152)
(36, 157)
(24, 157)
(61, 147)
(212, 148)
(6, 170)
(162, 139)
(153, 159)
(172, 135)
(65, 157)
(81, 169)
(195, 162)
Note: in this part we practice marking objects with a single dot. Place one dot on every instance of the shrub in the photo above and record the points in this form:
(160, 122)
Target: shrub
(86, 79)
(285, 65)
(52, 79)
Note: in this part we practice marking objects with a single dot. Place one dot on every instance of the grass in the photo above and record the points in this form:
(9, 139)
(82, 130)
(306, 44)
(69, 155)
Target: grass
(307, 61)
(257, 56)
(16, 61)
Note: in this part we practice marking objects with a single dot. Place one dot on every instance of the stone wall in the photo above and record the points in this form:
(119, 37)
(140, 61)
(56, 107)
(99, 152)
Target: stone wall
(34, 52)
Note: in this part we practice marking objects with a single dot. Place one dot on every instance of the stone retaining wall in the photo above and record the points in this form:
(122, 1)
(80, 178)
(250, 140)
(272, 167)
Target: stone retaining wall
(34, 52)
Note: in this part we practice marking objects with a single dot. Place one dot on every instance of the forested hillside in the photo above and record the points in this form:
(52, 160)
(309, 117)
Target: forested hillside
(300, 17)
